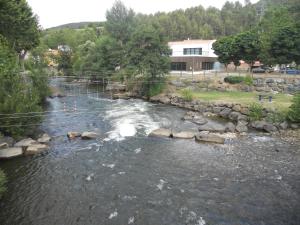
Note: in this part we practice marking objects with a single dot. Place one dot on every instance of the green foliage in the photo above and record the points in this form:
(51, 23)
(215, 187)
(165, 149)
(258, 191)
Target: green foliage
(234, 79)
(248, 46)
(18, 94)
(18, 25)
(148, 56)
(278, 116)
(65, 62)
(294, 112)
(119, 22)
(284, 46)
(248, 80)
(157, 88)
(187, 94)
(256, 112)
(227, 51)
(2, 183)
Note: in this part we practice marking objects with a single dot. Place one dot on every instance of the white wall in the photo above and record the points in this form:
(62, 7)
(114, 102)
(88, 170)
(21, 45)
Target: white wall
(177, 49)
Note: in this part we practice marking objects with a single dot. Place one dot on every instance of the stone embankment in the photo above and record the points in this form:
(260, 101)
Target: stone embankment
(236, 114)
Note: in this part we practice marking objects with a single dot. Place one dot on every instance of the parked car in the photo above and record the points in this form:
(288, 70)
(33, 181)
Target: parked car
(258, 70)
(290, 70)
(263, 69)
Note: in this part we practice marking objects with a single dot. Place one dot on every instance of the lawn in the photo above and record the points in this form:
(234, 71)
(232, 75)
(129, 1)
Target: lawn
(280, 101)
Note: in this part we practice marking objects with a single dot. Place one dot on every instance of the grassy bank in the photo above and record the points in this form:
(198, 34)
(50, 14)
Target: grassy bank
(280, 101)
(2, 182)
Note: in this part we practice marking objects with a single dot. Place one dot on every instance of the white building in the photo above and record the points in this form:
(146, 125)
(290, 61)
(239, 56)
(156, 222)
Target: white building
(192, 55)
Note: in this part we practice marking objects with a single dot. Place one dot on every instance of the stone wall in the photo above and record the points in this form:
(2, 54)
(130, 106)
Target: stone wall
(236, 113)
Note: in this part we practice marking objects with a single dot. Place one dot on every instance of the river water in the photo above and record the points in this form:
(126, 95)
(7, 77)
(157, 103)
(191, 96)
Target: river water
(126, 177)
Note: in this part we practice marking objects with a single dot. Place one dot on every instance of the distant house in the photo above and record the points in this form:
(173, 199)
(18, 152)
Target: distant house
(192, 55)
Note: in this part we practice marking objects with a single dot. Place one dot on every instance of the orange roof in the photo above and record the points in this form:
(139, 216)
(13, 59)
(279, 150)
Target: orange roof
(186, 42)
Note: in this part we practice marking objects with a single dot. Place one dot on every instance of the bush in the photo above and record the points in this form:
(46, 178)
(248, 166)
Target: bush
(248, 80)
(187, 94)
(256, 112)
(234, 79)
(2, 183)
(277, 117)
(294, 111)
(156, 89)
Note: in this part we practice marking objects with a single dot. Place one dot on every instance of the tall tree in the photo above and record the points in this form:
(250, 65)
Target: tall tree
(149, 56)
(248, 46)
(19, 26)
(119, 22)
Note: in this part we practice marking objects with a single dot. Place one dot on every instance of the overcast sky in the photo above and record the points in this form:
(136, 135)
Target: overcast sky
(56, 12)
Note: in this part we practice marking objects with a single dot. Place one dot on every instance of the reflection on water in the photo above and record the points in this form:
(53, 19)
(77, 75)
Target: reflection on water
(126, 177)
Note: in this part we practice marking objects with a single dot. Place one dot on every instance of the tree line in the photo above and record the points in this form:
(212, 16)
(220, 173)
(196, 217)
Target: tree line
(275, 40)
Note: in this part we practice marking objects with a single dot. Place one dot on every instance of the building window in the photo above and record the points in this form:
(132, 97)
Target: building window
(192, 51)
(207, 65)
(179, 66)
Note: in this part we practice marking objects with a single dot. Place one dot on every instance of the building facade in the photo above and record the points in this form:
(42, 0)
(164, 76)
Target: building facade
(192, 55)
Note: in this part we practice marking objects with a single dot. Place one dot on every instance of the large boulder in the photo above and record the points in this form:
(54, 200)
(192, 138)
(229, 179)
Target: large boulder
(89, 135)
(73, 135)
(36, 149)
(8, 153)
(212, 127)
(270, 128)
(234, 116)
(230, 127)
(284, 125)
(161, 132)
(184, 135)
(259, 125)
(213, 138)
(44, 139)
(25, 143)
(225, 112)
(241, 127)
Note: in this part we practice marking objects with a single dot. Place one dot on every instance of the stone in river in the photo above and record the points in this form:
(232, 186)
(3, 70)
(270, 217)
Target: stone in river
(184, 135)
(89, 135)
(73, 134)
(25, 142)
(162, 132)
(11, 152)
(44, 139)
(35, 149)
(213, 138)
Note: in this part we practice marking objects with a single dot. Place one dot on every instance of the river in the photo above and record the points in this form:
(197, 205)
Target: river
(126, 177)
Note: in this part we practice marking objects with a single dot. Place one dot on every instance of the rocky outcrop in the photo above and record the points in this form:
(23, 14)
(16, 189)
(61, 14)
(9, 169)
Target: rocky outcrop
(161, 132)
(212, 138)
(184, 135)
(9, 153)
(73, 135)
(89, 135)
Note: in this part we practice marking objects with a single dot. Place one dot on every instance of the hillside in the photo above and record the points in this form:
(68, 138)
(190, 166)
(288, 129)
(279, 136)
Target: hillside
(78, 25)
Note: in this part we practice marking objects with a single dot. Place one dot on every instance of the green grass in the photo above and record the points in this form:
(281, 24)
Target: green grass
(280, 101)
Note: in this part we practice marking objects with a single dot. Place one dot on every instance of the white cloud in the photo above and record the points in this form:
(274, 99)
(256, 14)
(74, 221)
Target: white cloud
(56, 12)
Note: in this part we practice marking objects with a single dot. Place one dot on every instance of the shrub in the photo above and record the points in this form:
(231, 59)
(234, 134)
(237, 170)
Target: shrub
(234, 79)
(256, 112)
(157, 88)
(294, 111)
(277, 117)
(2, 183)
(187, 94)
(248, 80)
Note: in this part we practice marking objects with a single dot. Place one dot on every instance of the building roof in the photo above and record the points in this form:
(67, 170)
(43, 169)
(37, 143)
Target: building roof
(188, 42)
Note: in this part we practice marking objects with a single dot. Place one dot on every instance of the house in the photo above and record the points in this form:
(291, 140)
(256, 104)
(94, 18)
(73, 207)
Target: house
(192, 55)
